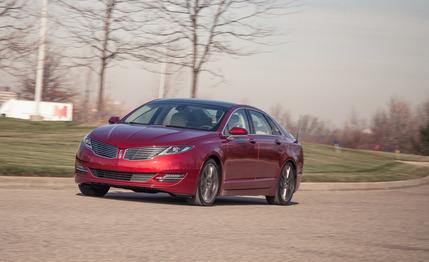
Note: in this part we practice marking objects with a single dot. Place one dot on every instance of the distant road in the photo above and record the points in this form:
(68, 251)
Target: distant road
(60, 225)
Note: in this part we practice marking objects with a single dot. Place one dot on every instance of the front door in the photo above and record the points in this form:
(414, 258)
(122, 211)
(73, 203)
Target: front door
(241, 156)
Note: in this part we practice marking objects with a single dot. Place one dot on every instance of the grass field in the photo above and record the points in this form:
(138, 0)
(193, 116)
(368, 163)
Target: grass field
(48, 149)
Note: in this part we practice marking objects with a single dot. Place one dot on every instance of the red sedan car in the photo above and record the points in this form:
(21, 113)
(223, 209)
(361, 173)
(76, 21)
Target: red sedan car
(195, 148)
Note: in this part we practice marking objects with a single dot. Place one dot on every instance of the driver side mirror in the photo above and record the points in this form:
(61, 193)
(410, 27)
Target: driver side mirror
(238, 131)
(114, 120)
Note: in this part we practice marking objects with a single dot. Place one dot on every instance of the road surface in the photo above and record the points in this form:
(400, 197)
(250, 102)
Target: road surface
(61, 225)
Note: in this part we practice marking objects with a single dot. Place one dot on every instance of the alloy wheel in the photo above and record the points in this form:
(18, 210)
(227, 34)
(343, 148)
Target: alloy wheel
(287, 184)
(209, 183)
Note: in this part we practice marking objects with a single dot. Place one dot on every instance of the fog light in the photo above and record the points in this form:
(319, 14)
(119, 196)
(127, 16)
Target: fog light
(170, 177)
(80, 168)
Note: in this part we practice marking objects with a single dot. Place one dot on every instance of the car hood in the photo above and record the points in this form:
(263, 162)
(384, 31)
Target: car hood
(126, 136)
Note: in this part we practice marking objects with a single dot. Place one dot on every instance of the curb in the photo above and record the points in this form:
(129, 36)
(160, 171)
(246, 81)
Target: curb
(344, 186)
(18, 182)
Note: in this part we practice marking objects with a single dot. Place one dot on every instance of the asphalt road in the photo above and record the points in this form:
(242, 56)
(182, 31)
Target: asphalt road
(61, 225)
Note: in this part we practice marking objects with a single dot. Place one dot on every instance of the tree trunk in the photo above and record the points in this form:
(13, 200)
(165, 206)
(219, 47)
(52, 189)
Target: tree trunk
(195, 69)
(102, 76)
(195, 75)
(104, 55)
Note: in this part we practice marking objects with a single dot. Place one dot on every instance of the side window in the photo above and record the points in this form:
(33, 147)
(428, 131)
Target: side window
(274, 127)
(237, 119)
(260, 123)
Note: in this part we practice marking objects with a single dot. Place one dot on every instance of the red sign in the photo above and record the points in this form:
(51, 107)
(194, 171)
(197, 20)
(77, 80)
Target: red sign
(60, 112)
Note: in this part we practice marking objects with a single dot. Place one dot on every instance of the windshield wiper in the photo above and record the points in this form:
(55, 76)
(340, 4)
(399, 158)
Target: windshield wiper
(176, 126)
(135, 123)
(186, 127)
(154, 125)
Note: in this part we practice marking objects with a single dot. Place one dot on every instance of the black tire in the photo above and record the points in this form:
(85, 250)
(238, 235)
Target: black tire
(94, 190)
(208, 185)
(285, 186)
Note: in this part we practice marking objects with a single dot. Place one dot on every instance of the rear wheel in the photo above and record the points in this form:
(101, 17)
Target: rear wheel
(285, 186)
(94, 190)
(208, 185)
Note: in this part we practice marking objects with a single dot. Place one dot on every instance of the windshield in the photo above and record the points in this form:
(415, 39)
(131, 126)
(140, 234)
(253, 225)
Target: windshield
(199, 117)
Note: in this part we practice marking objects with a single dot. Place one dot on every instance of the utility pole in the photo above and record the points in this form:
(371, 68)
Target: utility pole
(40, 61)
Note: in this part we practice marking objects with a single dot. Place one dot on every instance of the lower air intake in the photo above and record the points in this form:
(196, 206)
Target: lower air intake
(123, 176)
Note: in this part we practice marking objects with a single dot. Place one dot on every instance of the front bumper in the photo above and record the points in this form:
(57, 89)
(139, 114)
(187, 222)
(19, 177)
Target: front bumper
(184, 163)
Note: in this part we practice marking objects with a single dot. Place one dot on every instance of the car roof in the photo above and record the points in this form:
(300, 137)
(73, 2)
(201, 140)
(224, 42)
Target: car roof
(196, 101)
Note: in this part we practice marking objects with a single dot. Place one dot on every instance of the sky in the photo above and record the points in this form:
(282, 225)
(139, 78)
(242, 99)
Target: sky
(336, 57)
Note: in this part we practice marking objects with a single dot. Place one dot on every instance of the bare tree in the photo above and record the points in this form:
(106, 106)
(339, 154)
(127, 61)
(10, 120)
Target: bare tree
(423, 145)
(201, 30)
(309, 128)
(380, 125)
(396, 128)
(14, 26)
(56, 86)
(423, 113)
(312, 129)
(355, 133)
(102, 32)
(284, 118)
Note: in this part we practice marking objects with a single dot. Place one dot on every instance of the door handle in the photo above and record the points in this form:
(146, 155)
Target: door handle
(252, 141)
(278, 142)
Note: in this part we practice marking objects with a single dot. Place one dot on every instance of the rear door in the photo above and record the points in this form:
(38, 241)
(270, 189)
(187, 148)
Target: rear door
(268, 148)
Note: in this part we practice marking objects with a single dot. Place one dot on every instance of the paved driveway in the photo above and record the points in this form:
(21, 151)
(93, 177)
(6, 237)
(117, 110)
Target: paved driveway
(60, 225)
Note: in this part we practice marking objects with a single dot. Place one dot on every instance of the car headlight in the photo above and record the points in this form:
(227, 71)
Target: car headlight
(87, 142)
(171, 150)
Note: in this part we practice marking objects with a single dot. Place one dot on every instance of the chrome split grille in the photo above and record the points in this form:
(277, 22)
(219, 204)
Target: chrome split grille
(143, 153)
(123, 176)
(104, 150)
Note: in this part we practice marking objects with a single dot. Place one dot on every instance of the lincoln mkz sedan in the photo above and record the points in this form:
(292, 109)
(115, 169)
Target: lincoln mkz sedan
(192, 148)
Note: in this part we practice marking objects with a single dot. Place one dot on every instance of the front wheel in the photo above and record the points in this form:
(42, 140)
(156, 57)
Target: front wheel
(285, 186)
(208, 185)
(94, 190)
